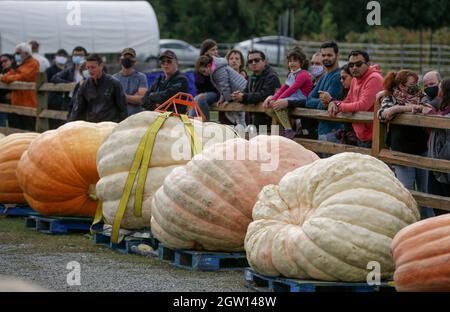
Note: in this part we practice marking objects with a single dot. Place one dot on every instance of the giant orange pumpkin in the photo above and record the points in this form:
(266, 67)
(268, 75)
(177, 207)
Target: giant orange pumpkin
(422, 256)
(11, 149)
(58, 173)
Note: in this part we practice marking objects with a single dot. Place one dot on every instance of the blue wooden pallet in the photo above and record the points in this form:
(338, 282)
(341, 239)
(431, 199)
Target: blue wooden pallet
(261, 283)
(16, 211)
(128, 245)
(203, 260)
(58, 225)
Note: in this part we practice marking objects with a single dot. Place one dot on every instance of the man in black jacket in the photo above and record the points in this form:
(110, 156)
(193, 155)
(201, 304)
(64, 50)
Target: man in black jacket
(72, 73)
(166, 86)
(262, 84)
(101, 97)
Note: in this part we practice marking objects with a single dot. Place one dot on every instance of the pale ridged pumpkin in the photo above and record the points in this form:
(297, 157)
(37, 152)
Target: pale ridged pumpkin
(329, 220)
(422, 256)
(2, 135)
(11, 149)
(116, 155)
(58, 172)
(207, 205)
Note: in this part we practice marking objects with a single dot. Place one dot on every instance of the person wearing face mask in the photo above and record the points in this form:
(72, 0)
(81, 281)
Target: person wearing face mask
(431, 81)
(402, 94)
(133, 82)
(317, 69)
(56, 100)
(72, 73)
(27, 71)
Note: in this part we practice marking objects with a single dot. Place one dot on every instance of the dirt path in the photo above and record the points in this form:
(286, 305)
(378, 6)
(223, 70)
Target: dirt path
(42, 259)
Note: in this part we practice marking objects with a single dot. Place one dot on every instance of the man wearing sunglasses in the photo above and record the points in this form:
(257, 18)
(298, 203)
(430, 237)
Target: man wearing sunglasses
(167, 85)
(361, 97)
(262, 83)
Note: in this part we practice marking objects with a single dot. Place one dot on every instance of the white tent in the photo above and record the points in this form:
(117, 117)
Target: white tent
(99, 26)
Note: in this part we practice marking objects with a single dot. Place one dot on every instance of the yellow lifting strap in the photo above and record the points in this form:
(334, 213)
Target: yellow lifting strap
(98, 216)
(196, 144)
(143, 148)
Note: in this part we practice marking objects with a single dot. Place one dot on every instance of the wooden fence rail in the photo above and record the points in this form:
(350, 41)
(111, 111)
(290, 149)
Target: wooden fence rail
(379, 150)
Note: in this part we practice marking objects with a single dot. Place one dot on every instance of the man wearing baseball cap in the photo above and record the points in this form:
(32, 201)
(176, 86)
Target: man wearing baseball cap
(167, 85)
(133, 82)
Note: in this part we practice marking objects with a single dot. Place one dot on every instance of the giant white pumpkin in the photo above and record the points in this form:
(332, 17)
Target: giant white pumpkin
(330, 220)
(172, 148)
(207, 204)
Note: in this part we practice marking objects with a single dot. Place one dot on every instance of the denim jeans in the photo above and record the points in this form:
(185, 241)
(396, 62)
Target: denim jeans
(412, 177)
(3, 119)
(203, 101)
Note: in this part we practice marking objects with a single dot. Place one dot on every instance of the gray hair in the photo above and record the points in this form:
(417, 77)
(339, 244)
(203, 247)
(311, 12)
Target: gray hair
(433, 73)
(24, 47)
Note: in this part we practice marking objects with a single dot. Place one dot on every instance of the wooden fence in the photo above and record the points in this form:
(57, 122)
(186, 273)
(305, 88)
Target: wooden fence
(378, 150)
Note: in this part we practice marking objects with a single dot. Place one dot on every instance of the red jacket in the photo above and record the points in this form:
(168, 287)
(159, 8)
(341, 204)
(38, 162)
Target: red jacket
(27, 72)
(361, 98)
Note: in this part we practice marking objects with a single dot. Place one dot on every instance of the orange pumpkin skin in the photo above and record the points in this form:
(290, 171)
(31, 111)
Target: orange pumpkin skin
(421, 254)
(11, 149)
(58, 173)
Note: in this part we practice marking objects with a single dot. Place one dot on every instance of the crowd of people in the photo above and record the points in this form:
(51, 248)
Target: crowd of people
(317, 83)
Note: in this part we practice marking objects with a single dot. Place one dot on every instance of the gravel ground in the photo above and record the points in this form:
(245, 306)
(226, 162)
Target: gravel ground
(42, 260)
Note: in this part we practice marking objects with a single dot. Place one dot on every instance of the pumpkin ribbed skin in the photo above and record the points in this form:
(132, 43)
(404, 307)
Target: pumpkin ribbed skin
(58, 172)
(11, 149)
(207, 204)
(421, 254)
(2, 135)
(116, 155)
(328, 220)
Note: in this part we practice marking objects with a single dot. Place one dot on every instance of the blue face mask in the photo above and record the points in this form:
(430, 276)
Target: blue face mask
(18, 58)
(77, 59)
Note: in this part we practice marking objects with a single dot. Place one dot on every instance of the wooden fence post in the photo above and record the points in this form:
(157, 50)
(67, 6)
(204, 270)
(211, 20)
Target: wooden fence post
(41, 123)
(379, 131)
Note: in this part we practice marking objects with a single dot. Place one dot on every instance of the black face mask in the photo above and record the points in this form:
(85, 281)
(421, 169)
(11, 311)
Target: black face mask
(432, 92)
(127, 63)
(413, 90)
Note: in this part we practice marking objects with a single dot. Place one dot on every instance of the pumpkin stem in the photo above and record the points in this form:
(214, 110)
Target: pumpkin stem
(92, 193)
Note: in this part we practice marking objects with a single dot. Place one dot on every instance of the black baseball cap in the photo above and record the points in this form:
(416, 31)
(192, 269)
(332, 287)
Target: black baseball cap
(168, 54)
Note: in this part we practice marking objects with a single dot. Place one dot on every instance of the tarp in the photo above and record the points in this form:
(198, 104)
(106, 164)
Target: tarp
(100, 26)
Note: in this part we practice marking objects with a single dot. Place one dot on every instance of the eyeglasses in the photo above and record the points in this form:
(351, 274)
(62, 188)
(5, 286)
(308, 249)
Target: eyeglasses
(254, 61)
(357, 64)
(165, 61)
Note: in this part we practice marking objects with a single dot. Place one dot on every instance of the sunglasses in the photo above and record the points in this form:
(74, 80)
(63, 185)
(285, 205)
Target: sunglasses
(165, 61)
(357, 64)
(254, 61)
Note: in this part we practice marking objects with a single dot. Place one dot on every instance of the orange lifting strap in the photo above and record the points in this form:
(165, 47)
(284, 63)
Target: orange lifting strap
(181, 98)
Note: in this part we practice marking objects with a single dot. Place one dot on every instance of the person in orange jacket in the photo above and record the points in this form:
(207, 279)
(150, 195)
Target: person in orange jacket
(27, 71)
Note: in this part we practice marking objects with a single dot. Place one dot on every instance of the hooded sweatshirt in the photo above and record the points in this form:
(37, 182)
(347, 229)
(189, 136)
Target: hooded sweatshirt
(361, 98)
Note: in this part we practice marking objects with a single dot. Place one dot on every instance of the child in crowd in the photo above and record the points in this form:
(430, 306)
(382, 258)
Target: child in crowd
(297, 87)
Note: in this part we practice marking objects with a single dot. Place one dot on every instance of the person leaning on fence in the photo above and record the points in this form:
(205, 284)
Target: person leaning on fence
(236, 61)
(439, 144)
(297, 87)
(100, 97)
(43, 62)
(84, 72)
(56, 100)
(262, 83)
(402, 94)
(7, 63)
(27, 71)
(431, 81)
(226, 80)
(133, 82)
(167, 85)
(367, 83)
(328, 88)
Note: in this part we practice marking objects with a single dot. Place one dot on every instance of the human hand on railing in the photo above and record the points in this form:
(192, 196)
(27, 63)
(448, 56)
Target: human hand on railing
(267, 102)
(325, 98)
(237, 96)
(279, 104)
(333, 110)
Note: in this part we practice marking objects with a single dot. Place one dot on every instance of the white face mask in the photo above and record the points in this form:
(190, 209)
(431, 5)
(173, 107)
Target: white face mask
(59, 59)
(86, 74)
(317, 70)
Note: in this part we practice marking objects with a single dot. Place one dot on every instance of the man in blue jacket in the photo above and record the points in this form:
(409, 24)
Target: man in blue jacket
(328, 88)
